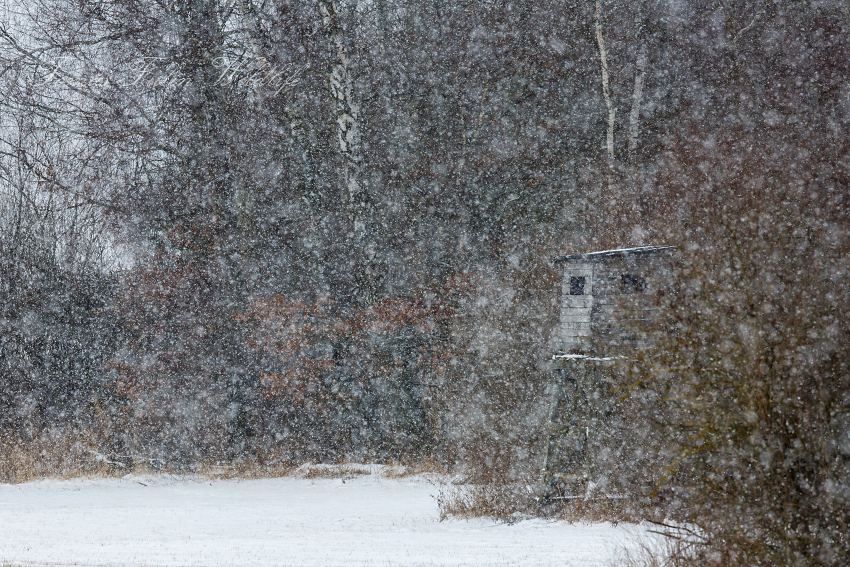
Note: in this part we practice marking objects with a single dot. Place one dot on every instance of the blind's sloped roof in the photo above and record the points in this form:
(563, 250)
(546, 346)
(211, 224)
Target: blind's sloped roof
(598, 255)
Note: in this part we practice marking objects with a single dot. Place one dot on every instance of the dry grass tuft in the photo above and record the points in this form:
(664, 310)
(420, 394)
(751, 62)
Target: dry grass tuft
(509, 501)
(429, 465)
(596, 509)
(24, 461)
(335, 471)
(248, 470)
(502, 502)
(66, 457)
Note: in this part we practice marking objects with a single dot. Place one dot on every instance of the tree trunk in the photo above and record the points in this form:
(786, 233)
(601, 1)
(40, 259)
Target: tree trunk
(347, 122)
(611, 110)
(347, 117)
(637, 99)
(634, 115)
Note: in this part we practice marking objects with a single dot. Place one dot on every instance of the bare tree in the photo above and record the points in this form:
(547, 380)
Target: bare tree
(610, 107)
(359, 205)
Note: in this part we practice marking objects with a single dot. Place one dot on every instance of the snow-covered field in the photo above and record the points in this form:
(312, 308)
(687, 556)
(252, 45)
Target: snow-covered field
(366, 520)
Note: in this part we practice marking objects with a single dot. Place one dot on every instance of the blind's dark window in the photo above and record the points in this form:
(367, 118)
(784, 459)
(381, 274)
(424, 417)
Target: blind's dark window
(577, 285)
(631, 283)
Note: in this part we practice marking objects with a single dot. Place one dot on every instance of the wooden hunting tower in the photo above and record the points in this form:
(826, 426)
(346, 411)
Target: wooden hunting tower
(604, 293)
(606, 300)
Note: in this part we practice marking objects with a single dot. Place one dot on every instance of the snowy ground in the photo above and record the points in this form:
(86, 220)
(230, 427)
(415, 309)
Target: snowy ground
(366, 521)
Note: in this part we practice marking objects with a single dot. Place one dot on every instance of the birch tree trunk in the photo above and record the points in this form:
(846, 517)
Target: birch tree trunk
(611, 110)
(347, 123)
(637, 100)
(359, 210)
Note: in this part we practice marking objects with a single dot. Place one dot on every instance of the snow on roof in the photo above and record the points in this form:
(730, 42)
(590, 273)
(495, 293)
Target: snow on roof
(583, 357)
(614, 252)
